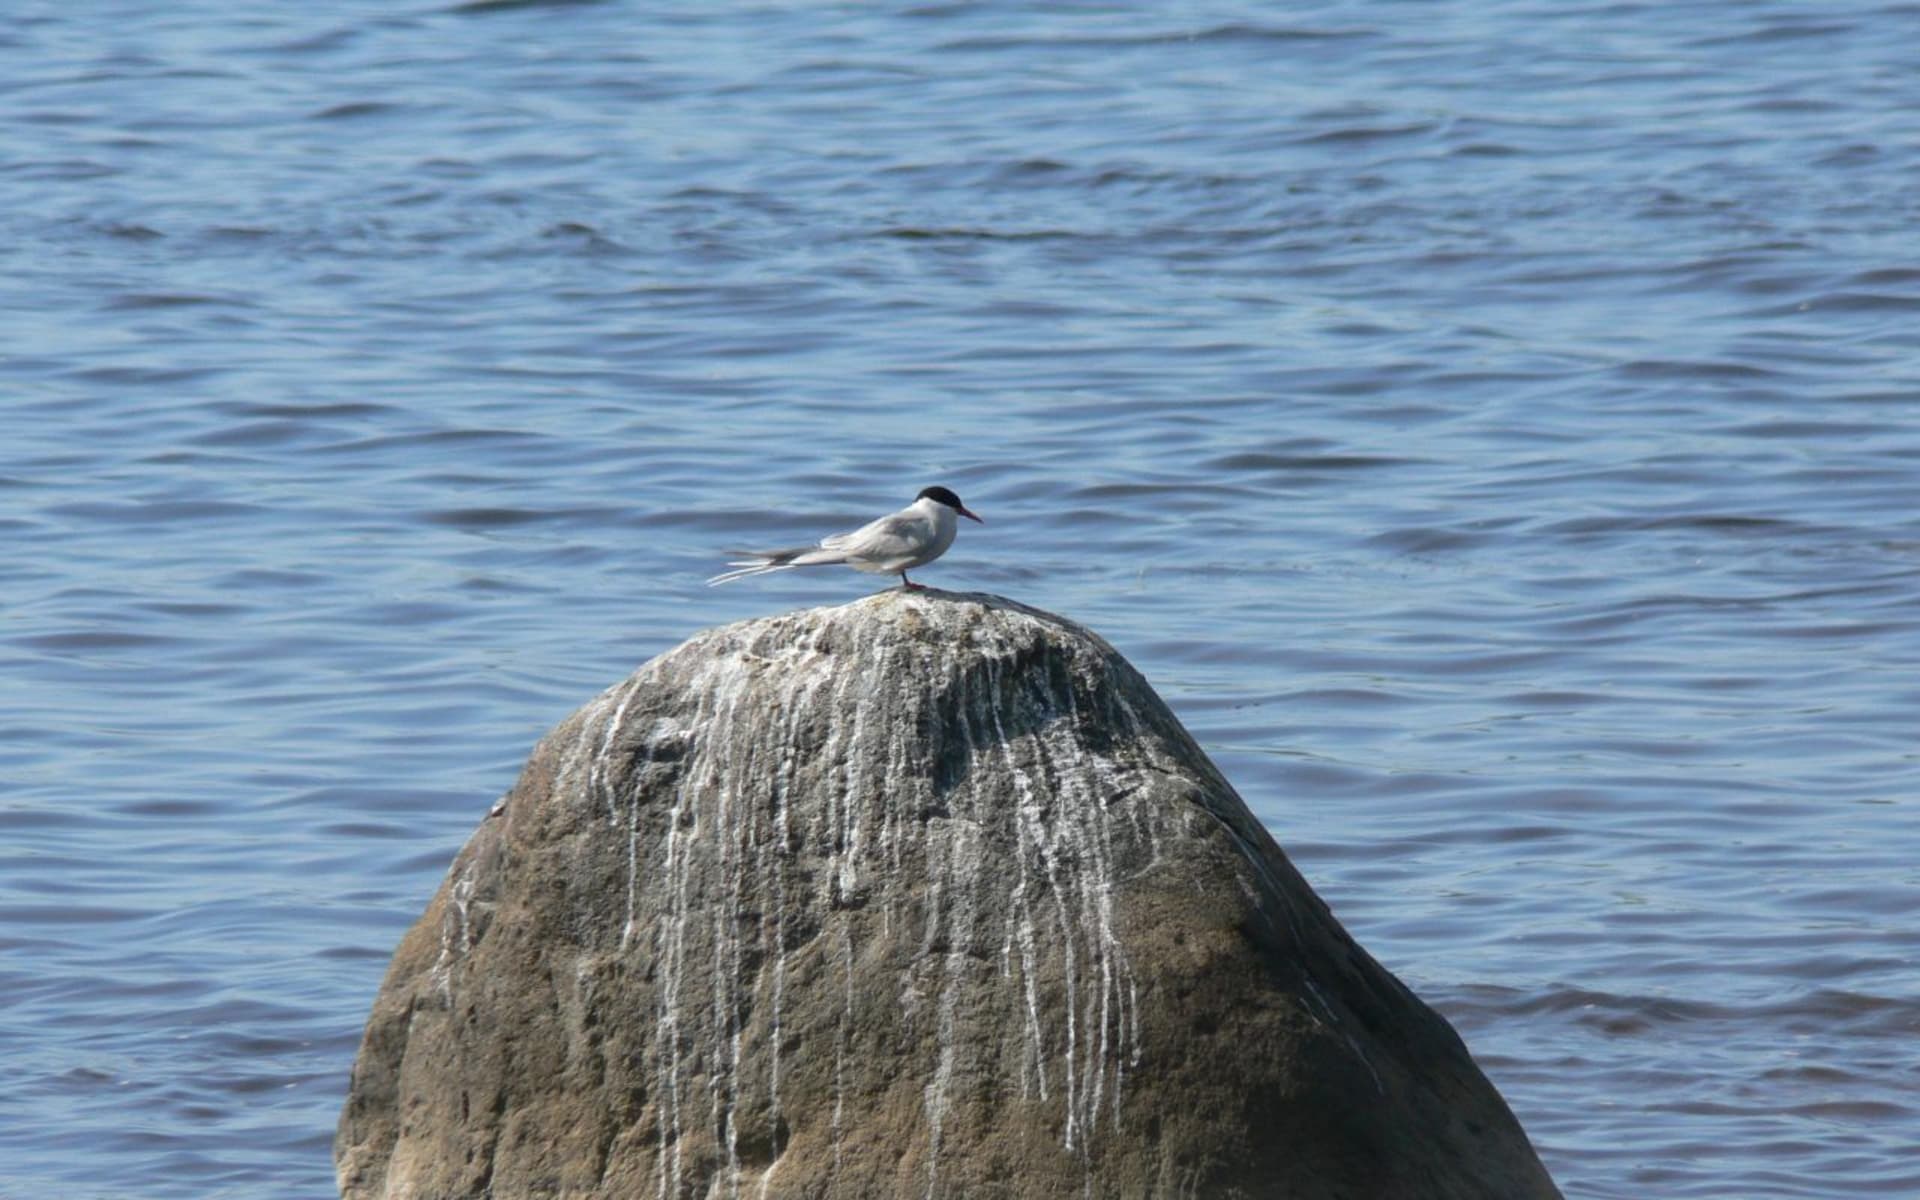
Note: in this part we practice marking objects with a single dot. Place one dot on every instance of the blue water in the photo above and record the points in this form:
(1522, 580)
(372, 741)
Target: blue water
(1495, 427)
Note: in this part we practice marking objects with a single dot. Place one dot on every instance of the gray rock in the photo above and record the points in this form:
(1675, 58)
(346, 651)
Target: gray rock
(925, 896)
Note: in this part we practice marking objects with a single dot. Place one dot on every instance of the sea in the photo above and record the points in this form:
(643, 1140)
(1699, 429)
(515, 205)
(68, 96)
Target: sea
(1493, 426)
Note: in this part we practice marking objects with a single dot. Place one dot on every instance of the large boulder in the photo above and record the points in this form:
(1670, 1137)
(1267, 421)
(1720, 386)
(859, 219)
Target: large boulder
(928, 895)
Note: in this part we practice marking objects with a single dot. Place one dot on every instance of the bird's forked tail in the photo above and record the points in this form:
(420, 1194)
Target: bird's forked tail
(758, 562)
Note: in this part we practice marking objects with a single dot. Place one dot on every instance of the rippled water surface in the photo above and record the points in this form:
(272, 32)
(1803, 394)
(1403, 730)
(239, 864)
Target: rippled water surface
(1494, 427)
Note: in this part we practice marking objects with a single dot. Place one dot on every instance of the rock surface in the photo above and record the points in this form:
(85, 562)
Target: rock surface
(925, 896)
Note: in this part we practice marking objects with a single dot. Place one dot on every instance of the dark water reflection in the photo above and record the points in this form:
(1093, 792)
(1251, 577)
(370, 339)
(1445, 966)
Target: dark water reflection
(1493, 429)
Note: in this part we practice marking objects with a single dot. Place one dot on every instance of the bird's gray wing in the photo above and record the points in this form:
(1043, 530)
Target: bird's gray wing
(890, 537)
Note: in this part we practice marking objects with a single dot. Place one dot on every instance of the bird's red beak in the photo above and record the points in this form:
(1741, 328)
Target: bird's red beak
(969, 516)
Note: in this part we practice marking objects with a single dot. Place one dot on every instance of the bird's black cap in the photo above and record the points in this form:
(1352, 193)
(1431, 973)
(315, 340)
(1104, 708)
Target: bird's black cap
(940, 495)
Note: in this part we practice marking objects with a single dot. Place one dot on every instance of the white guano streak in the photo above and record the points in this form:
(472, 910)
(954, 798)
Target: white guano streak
(730, 819)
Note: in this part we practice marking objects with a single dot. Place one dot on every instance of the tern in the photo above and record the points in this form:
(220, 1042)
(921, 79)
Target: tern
(892, 545)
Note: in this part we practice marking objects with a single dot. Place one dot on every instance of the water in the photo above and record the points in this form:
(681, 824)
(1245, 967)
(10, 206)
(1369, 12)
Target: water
(1492, 427)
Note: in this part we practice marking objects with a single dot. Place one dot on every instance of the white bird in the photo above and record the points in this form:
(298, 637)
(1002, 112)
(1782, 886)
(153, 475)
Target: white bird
(893, 545)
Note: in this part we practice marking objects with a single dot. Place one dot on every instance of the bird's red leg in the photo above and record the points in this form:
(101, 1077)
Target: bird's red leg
(911, 586)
